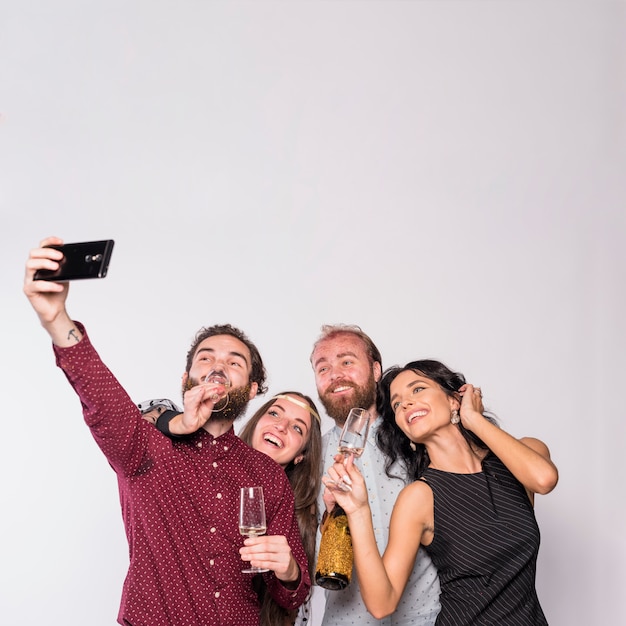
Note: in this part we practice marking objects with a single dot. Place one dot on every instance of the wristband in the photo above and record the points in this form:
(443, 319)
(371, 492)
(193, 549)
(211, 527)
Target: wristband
(163, 423)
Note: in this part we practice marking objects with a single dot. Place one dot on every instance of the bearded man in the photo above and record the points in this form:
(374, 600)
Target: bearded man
(180, 497)
(347, 366)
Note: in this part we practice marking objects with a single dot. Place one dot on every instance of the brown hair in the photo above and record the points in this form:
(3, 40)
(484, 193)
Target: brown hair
(257, 369)
(305, 480)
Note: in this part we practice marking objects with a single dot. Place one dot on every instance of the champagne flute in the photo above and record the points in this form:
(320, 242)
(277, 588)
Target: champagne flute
(221, 378)
(353, 438)
(252, 518)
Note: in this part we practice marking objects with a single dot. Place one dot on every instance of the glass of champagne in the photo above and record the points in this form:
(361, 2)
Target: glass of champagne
(221, 378)
(252, 518)
(353, 438)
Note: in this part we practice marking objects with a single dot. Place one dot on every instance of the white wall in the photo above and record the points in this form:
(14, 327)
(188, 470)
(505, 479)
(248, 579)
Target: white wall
(449, 175)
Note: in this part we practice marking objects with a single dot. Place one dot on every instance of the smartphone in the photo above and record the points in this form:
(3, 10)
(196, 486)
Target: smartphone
(87, 259)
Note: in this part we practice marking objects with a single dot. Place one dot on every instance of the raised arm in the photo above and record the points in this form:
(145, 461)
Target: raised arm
(48, 298)
(112, 417)
(382, 579)
(527, 459)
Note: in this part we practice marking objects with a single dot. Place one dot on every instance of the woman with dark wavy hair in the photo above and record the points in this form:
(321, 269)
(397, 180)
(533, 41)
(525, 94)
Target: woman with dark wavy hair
(470, 505)
(287, 428)
(392, 440)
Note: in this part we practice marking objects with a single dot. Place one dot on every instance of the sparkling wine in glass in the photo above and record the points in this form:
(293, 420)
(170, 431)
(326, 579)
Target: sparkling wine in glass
(354, 433)
(252, 518)
(353, 438)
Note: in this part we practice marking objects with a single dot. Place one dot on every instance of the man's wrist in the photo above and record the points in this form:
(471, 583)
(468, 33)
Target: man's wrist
(63, 331)
(167, 422)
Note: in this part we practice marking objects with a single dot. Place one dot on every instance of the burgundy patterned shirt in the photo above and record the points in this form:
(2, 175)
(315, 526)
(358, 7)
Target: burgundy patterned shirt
(180, 504)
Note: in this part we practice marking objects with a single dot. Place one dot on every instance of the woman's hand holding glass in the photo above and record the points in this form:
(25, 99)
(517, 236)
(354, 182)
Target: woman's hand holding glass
(252, 518)
(273, 553)
(352, 441)
(345, 473)
(270, 552)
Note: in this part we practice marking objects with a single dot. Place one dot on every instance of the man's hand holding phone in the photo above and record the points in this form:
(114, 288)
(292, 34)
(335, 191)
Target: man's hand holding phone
(85, 259)
(48, 299)
(48, 270)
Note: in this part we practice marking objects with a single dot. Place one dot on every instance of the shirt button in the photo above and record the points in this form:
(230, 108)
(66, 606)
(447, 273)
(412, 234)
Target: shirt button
(212, 562)
(219, 496)
(199, 444)
(214, 464)
(213, 529)
(217, 594)
(213, 443)
(225, 448)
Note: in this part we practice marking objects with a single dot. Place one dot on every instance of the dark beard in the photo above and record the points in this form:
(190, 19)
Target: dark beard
(234, 406)
(338, 408)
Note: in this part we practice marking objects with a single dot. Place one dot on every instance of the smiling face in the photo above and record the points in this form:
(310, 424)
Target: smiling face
(224, 353)
(344, 375)
(283, 431)
(420, 405)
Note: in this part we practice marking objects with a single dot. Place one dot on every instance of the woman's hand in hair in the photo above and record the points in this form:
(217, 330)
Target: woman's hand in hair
(471, 408)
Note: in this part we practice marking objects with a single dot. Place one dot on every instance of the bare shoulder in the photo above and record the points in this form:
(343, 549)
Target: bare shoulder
(415, 498)
(413, 514)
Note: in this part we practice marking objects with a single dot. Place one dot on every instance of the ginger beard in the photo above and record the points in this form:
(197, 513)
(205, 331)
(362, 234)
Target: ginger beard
(338, 407)
(229, 408)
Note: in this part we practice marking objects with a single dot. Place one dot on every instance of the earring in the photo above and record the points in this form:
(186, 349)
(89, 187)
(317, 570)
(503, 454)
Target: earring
(412, 446)
(454, 418)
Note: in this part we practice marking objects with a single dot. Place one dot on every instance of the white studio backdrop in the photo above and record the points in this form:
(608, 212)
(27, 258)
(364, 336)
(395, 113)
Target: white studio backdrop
(449, 175)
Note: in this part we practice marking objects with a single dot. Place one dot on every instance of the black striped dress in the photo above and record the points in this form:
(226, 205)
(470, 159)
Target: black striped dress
(485, 548)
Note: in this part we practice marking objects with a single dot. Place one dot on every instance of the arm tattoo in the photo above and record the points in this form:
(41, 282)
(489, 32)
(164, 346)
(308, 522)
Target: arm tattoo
(73, 335)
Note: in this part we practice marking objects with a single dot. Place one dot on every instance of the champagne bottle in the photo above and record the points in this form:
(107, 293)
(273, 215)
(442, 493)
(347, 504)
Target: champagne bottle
(335, 558)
